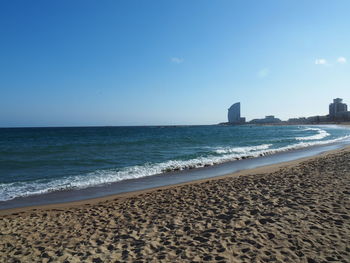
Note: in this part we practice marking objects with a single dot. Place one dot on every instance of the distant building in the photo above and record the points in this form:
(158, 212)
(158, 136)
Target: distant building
(318, 119)
(338, 112)
(270, 119)
(336, 107)
(300, 120)
(342, 116)
(234, 114)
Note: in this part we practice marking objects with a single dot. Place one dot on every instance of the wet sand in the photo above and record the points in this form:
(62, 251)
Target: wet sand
(293, 212)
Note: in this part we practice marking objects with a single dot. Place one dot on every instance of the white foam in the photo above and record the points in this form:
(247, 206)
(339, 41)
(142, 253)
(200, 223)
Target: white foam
(244, 150)
(101, 177)
(320, 135)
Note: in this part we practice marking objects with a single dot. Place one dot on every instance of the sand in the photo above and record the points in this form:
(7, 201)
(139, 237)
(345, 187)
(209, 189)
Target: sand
(294, 212)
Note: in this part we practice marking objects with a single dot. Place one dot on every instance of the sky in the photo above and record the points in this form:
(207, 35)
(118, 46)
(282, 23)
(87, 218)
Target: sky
(170, 62)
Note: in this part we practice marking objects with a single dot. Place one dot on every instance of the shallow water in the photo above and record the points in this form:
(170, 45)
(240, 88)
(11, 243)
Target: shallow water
(42, 160)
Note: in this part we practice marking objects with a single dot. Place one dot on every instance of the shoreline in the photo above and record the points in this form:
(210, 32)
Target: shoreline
(265, 169)
(297, 211)
(169, 178)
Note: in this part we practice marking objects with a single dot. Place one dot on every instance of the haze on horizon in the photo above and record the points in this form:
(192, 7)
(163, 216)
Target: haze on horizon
(78, 63)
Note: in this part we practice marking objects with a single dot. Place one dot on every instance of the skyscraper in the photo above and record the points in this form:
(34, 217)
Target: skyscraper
(337, 106)
(234, 114)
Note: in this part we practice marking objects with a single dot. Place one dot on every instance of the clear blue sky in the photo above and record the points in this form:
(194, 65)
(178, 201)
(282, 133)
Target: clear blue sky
(72, 63)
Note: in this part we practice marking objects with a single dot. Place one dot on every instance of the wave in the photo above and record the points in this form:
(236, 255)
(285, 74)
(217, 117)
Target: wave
(244, 150)
(320, 135)
(101, 177)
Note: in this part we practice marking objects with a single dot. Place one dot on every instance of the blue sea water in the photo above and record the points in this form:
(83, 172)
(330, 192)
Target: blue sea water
(36, 161)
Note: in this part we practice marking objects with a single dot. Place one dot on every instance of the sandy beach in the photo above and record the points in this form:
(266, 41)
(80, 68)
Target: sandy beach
(292, 212)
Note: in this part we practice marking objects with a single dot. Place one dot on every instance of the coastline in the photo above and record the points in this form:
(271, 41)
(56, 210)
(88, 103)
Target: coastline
(284, 123)
(296, 211)
(161, 173)
(118, 197)
(149, 183)
(266, 169)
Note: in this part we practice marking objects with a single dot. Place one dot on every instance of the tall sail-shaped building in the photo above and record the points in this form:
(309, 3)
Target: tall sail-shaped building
(234, 114)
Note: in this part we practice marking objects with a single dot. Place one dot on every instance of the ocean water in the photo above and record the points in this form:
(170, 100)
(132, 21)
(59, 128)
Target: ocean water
(36, 161)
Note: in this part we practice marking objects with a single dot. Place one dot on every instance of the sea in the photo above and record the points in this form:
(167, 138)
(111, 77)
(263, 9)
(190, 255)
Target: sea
(38, 161)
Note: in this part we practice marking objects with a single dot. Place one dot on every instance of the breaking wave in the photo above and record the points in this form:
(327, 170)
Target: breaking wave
(101, 177)
(243, 150)
(320, 135)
